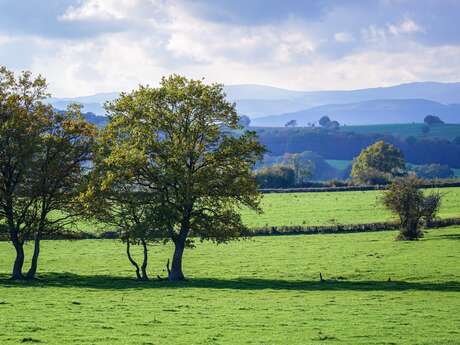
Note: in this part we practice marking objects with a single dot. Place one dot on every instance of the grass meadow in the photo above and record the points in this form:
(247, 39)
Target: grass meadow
(264, 290)
(324, 208)
(329, 208)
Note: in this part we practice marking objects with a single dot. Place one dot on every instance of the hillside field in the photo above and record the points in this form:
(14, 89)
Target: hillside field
(446, 131)
(260, 291)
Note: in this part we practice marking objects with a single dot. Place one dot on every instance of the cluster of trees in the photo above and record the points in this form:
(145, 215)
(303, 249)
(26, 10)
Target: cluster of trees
(326, 122)
(381, 163)
(163, 169)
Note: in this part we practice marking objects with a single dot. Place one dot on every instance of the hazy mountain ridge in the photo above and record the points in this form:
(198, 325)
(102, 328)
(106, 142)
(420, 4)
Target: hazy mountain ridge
(261, 102)
(369, 112)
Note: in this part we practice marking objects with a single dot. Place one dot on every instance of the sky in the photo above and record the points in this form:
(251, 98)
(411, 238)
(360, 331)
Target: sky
(84, 47)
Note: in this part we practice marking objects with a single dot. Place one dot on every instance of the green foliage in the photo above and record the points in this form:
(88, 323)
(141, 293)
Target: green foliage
(171, 141)
(43, 154)
(277, 176)
(267, 290)
(303, 168)
(405, 199)
(377, 164)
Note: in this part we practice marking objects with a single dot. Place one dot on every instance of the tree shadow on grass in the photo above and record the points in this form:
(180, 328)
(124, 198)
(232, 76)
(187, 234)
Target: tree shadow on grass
(446, 237)
(102, 282)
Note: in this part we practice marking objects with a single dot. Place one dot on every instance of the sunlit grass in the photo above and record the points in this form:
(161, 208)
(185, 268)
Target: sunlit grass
(260, 291)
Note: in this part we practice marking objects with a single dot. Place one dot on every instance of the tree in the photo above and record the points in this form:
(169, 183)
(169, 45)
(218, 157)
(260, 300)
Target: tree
(277, 176)
(244, 121)
(114, 198)
(43, 155)
(291, 123)
(172, 142)
(431, 206)
(378, 163)
(303, 168)
(432, 120)
(324, 121)
(407, 201)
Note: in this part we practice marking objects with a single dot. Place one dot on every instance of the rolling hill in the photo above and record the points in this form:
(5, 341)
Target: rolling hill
(389, 111)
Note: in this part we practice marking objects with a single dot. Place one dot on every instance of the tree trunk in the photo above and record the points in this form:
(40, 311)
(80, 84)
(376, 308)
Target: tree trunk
(19, 261)
(133, 262)
(176, 273)
(33, 266)
(145, 261)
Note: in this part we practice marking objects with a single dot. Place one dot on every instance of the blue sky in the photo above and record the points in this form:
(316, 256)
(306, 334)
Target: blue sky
(89, 46)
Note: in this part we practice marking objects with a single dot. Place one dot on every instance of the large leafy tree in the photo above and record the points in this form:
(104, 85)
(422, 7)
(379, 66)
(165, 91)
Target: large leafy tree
(174, 140)
(378, 163)
(43, 154)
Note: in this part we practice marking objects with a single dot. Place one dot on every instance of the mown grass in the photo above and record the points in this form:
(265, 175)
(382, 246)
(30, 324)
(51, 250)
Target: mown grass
(328, 208)
(260, 291)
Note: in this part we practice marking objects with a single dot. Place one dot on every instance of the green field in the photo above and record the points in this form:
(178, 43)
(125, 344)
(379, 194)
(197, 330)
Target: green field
(446, 131)
(325, 208)
(260, 291)
(328, 208)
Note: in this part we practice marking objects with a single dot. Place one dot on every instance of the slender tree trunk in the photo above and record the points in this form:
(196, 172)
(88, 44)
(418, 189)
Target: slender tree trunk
(33, 266)
(145, 260)
(19, 261)
(176, 268)
(133, 262)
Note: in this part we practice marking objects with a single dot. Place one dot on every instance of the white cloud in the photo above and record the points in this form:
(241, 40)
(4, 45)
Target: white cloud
(408, 26)
(101, 10)
(343, 37)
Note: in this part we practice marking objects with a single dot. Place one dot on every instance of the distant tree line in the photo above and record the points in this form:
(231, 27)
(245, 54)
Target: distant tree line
(347, 145)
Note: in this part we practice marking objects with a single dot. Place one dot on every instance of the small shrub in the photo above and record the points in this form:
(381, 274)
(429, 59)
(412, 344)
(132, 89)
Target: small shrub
(405, 199)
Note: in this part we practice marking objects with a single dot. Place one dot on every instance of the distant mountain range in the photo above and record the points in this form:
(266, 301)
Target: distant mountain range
(368, 113)
(270, 106)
